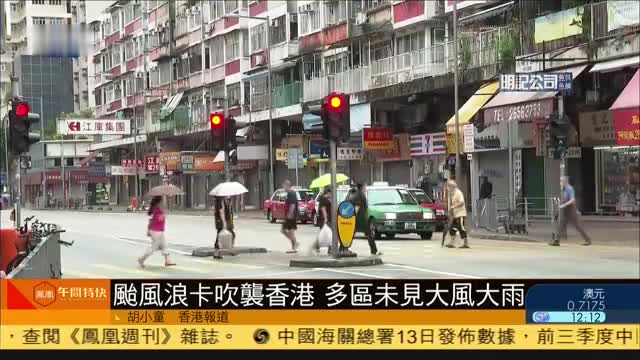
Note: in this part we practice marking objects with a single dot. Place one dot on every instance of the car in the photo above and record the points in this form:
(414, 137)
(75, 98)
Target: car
(393, 210)
(341, 195)
(427, 202)
(275, 209)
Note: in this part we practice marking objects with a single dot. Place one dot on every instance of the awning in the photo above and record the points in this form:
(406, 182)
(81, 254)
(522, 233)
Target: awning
(360, 116)
(629, 98)
(472, 106)
(485, 14)
(514, 97)
(617, 64)
(171, 105)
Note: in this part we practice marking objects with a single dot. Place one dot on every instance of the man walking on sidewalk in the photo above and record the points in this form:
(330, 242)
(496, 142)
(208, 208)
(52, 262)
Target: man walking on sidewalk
(568, 213)
(457, 214)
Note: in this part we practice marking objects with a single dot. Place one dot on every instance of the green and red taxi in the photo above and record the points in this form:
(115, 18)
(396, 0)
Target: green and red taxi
(393, 210)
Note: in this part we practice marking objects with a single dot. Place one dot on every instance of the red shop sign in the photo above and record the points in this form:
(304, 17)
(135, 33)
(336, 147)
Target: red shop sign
(151, 163)
(377, 138)
(627, 126)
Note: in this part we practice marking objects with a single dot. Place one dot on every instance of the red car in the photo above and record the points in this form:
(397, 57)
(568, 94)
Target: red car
(427, 202)
(275, 208)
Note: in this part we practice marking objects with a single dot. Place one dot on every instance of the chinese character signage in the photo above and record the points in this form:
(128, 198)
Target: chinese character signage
(125, 163)
(151, 163)
(522, 112)
(536, 82)
(468, 132)
(207, 163)
(627, 127)
(122, 171)
(94, 127)
(596, 128)
(170, 160)
(377, 139)
(187, 162)
(399, 151)
(282, 154)
(349, 153)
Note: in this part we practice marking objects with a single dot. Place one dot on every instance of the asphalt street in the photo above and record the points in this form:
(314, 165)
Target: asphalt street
(106, 245)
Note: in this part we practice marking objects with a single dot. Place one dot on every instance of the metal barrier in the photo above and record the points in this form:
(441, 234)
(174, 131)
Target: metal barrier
(43, 262)
(496, 214)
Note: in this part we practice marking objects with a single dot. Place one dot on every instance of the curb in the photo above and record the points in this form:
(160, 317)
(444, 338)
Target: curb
(209, 251)
(329, 262)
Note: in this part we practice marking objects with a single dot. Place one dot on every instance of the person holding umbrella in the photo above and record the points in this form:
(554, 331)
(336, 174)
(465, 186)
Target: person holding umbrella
(224, 220)
(156, 232)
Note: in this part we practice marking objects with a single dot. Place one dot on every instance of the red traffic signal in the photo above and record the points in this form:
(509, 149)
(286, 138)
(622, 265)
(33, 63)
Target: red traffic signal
(335, 102)
(22, 109)
(216, 120)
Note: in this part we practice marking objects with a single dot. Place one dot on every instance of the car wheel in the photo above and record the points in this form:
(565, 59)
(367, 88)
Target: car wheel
(426, 235)
(270, 217)
(315, 219)
(373, 232)
(389, 236)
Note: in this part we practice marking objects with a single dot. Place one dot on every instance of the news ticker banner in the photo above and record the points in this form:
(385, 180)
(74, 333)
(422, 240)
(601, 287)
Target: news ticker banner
(185, 313)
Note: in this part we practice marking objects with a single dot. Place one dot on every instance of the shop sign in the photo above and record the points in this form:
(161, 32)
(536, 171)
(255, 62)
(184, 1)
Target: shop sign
(244, 165)
(171, 160)
(282, 154)
(131, 163)
(622, 13)
(536, 82)
(187, 162)
(151, 163)
(98, 169)
(627, 126)
(207, 163)
(558, 25)
(349, 153)
(318, 149)
(377, 139)
(94, 127)
(123, 171)
(573, 152)
(295, 141)
(468, 132)
(596, 128)
(428, 144)
(400, 150)
(522, 112)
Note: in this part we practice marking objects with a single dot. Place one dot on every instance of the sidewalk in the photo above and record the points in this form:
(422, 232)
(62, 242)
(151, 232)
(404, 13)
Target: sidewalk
(610, 233)
(248, 214)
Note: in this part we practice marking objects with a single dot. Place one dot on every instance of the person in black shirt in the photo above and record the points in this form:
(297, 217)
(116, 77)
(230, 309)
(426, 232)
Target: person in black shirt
(324, 208)
(359, 200)
(486, 188)
(291, 216)
(224, 220)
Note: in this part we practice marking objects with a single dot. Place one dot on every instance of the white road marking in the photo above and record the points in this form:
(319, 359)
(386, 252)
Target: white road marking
(81, 275)
(339, 271)
(223, 263)
(131, 270)
(264, 275)
(435, 271)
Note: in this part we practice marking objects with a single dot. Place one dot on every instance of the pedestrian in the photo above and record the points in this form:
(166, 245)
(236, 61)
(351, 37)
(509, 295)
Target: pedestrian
(486, 190)
(224, 220)
(568, 213)
(359, 200)
(457, 214)
(325, 208)
(291, 217)
(155, 231)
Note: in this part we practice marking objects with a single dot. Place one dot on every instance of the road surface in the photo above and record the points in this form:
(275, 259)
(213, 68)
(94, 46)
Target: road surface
(108, 244)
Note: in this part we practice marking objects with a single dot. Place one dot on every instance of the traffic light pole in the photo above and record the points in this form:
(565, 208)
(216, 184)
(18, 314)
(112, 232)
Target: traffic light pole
(334, 199)
(227, 162)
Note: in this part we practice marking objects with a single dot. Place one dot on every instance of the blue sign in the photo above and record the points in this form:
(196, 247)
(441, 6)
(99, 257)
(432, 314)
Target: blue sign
(536, 82)
(318, 149)
(346, 209)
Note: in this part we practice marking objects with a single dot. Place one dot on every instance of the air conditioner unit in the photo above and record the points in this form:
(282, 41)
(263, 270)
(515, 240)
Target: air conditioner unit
(260, 59)
(593, 96)
(361, 18)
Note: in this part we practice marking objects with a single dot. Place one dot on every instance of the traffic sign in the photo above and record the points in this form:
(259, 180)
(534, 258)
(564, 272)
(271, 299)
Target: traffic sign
(295, 158)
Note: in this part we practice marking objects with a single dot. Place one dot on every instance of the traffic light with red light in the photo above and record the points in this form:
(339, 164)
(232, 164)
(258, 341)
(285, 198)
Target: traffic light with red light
(20, 121)
(218, 128)
(335, 115)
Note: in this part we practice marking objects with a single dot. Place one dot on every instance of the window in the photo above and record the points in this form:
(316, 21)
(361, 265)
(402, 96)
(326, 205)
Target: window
(56, 20)
(37, 2)
(39, 20)
(115, 55)
(217, 91)
(217, 51)
(165, 72)
(14, 8)
(128, 13)
(14, 48)
(115, 21)
(335, 11)
(56, 161)
(278, 30)
(129, 49)
(336, 63)
(106, 27)
(207, 57)
(233, 94)
(2, 67)
(293, 26)
(381, 50)
(411, 42)
(230, 6)
(118, 89)
(195, 59)
(130, 87)
(182, 68)
(232, 46)
(309, 17)
(108, 94)
(258, 37)
(245, 42)
(55, 2)
(216, 9)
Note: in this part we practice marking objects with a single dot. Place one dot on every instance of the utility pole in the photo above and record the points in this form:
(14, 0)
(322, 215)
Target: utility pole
(172, 49)
(227, 162)
(458, 173)
(334, 198)
(15, 91)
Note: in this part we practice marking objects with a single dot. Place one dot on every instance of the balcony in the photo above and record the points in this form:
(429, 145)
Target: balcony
(350, 81)
(159, 52)
(283, 51)
(133, 27)
(282, 96)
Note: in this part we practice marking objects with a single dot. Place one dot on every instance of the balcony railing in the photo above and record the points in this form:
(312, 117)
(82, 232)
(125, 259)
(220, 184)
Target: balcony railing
(409, 66)
(282, 96)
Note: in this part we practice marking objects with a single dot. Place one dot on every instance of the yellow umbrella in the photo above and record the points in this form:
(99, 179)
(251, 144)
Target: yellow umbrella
(325, 180)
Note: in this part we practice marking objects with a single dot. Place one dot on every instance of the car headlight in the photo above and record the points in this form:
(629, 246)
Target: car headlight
(427, 215)
(390, 216)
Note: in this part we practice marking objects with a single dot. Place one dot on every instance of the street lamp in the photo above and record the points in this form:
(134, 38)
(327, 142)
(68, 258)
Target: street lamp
(267, 21)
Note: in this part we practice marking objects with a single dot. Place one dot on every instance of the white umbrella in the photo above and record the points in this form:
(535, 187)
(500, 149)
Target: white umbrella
(165, 190)
(228, 189)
